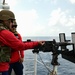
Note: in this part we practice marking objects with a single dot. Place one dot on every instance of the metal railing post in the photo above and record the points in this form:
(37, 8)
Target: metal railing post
(35, 64)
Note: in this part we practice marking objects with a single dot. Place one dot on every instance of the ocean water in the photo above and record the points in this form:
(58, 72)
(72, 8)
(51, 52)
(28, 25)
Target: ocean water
(65, 68)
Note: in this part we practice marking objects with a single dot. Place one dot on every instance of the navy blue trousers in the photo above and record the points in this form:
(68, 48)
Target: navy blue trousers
(17, 67)
(4, 73)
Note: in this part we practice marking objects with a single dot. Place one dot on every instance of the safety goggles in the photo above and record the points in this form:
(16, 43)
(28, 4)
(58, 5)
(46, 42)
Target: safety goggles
(14, 26)
(12, 20)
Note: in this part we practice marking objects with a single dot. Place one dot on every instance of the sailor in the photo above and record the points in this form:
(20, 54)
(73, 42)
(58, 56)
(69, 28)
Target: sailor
(17, 57)
(9, 42)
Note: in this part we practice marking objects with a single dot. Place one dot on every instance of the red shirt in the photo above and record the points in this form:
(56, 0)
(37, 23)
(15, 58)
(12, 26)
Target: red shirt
(8, 38)
(16, 55)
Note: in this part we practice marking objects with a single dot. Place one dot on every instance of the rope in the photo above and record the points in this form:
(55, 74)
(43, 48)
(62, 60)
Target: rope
(45, 64)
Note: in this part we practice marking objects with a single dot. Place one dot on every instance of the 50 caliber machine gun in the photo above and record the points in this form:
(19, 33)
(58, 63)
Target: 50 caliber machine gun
(64, 47)
(60, 47)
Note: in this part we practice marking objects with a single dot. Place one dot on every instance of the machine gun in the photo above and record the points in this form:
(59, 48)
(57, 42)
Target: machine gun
(57, 48)
(64, 47)
(60, 47)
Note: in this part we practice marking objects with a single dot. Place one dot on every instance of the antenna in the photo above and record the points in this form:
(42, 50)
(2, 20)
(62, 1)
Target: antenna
(4, 5)
(3, 2)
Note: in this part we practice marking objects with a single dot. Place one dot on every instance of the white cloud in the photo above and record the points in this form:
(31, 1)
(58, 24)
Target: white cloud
(27, 22)
(11, 2)
(54, 1)
(62, 17)
(72, 1)
(58, 16)
(55, 16)
(1, 1)
(59, 21)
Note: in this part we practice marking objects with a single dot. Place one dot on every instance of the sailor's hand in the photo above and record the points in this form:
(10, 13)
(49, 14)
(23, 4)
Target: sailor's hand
(41, 42)
(21, 60)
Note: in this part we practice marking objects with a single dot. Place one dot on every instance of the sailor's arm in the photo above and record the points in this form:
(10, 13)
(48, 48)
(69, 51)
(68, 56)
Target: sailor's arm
(8, 38)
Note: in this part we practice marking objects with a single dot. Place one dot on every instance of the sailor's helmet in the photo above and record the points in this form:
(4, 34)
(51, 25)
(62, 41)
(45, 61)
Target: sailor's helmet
(6, 15)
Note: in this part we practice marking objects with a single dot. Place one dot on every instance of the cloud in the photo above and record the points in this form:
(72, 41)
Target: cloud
(60, 21)
(28, 22)
(55, 16)
(59, 16)
(72, 1)
(1, 1)
(54, 1)
(11, 2)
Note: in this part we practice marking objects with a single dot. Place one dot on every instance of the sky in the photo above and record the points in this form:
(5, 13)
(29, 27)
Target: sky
(44, 17)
